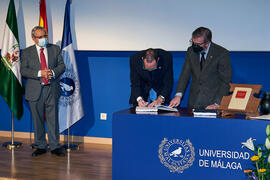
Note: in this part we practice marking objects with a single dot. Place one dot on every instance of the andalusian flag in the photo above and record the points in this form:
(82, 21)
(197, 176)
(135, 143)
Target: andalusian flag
(43, 15)
(10, 78)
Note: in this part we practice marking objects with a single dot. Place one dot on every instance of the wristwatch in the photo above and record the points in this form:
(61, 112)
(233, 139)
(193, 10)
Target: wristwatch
(162, 97)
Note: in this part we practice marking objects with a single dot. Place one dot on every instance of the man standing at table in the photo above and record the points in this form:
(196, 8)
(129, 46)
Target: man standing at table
(42, 64)
(208, 65)
(151, 76)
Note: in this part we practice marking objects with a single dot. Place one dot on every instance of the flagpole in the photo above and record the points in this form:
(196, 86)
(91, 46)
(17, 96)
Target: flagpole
(12, 128)
(12, 145)
(68, 137)
(68, 147)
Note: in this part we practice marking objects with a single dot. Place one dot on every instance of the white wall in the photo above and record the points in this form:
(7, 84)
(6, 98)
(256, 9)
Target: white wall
(138, 24)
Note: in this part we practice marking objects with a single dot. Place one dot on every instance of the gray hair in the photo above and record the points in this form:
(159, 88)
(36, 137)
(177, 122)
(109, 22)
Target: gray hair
(37, 28)
(203, 31)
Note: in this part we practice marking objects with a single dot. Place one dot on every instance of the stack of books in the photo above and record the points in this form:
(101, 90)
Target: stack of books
(205, 112)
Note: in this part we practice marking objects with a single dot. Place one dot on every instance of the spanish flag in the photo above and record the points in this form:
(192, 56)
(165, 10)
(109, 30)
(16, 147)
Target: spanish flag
(42, 15)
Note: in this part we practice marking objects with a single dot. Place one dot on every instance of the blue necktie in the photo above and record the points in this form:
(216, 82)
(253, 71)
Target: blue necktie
(152, 95)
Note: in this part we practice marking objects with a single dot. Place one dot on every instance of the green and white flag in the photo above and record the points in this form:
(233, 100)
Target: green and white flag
(11, 87)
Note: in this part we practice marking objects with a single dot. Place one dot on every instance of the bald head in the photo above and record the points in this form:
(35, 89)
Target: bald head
(150, 59)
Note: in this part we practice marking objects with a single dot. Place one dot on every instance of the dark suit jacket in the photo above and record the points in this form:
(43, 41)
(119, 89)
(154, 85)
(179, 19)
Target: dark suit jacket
(30, 65)
(142, 80)
(210, 85)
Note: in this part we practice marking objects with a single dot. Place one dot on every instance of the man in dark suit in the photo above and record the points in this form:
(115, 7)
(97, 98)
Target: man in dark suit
(151, 76)
(208, 65)
(42, 64)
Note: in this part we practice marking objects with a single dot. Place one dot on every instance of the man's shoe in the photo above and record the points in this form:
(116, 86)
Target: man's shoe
(58, 152)
(39, 152)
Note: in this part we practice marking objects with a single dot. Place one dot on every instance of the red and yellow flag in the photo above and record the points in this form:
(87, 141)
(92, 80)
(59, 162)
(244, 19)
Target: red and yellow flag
(42, 15)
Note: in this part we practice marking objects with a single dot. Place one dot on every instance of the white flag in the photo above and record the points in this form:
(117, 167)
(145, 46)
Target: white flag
(70, 103)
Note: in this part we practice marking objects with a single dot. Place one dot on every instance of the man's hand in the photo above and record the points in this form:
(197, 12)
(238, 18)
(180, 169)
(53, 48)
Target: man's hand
(156, 102)
(142, 103)
(213, 106)
(46, 73)
(175, 101)
(49, 74)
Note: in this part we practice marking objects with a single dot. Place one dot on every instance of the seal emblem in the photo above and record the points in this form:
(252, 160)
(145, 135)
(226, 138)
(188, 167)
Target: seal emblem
(176, 154)
(69, 85)
(12, 56)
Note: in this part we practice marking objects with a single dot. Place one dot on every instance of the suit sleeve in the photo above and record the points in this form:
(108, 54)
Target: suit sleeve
(26, 69)
(134, 79)
(185, 74)
(60, 67)
(225, 75)
(168, 78)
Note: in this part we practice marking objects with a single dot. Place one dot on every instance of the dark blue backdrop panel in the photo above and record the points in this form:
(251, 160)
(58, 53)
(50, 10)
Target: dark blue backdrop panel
(105, 86)
(251, 68)
(137, 140)
(111, 87)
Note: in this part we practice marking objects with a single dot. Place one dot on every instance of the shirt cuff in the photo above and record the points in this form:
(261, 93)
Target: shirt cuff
(179, 94)
(53, 74)
(39, 73)
(139, 98)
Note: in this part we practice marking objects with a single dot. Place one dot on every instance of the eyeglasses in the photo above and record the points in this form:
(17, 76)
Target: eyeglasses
(40, 37)
(199, 44)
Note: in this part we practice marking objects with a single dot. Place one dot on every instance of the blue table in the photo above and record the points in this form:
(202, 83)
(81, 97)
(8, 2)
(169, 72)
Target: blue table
(172, 146)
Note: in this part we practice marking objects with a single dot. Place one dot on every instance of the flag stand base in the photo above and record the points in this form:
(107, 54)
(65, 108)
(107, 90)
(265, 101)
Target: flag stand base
(70, 147)
(14, 145)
